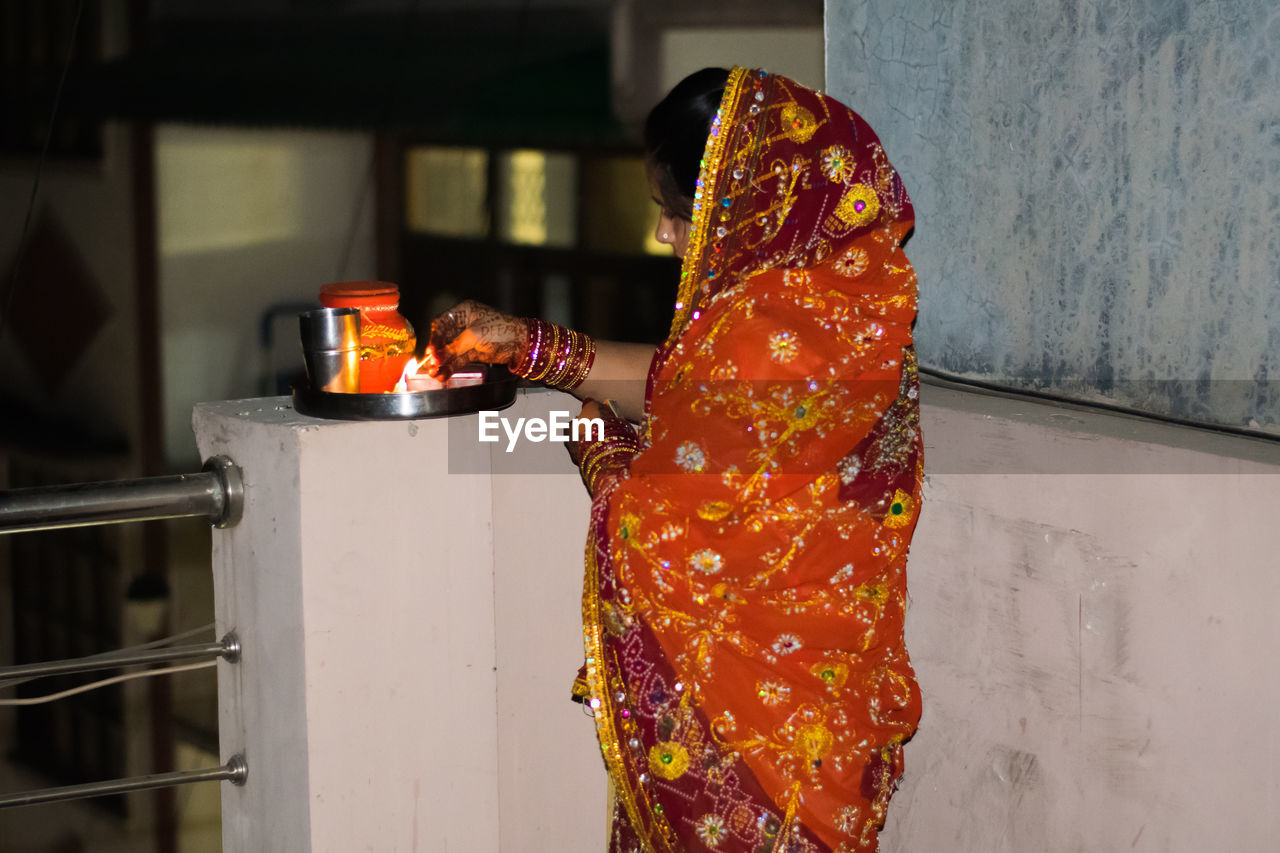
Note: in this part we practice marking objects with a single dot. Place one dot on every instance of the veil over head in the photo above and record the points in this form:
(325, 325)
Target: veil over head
(790, 179)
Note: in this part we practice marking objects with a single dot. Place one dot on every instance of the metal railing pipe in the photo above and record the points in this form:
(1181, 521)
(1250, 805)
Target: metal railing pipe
(228, 647)
(216, 493)
(234, 771)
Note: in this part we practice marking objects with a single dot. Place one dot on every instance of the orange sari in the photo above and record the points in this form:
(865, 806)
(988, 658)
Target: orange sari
(745, 581)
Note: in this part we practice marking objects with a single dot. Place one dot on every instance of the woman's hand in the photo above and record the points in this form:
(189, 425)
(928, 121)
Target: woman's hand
(590, 411)
(471, 331)
(603, 459)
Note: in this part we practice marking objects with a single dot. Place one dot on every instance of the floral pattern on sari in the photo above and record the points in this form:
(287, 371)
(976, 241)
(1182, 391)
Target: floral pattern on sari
(745, 586)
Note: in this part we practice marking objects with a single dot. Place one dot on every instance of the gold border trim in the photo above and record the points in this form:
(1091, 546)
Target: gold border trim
(654, 833)
(694, 256)
(597, 688)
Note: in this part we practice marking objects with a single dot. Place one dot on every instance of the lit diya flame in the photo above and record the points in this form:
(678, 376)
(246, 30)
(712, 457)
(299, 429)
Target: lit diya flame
(420, 375)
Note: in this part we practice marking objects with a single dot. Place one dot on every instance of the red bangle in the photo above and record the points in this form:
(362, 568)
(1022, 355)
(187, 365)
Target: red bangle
(607, 454)
(554, 355)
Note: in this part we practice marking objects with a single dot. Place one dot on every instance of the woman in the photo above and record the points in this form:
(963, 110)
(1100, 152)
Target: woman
(745, 570)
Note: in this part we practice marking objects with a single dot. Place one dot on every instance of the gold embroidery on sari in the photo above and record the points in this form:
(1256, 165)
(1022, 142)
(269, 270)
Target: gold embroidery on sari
(859, 206)
(798, 123)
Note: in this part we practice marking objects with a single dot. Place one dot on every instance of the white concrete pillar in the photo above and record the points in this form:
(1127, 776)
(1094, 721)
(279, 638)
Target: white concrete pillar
(410, 637)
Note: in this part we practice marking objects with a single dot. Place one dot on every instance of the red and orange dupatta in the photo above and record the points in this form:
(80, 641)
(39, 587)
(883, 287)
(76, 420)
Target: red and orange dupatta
(745, 580)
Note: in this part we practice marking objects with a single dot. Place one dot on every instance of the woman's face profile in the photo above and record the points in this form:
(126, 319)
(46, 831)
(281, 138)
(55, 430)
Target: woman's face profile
(672, 230)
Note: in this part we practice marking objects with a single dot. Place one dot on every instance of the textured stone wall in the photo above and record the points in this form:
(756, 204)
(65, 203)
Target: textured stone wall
(1097, 190)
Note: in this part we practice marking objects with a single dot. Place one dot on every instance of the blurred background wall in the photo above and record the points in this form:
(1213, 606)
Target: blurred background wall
(209, 167)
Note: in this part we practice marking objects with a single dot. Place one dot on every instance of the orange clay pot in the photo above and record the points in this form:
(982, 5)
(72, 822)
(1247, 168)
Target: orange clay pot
(387, 340)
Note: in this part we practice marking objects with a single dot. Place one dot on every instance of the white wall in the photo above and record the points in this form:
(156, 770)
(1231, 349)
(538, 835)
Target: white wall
(1091, 620)
(1092, 624)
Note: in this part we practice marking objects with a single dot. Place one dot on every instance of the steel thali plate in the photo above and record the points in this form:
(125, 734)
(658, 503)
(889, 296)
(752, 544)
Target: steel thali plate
(497, 392)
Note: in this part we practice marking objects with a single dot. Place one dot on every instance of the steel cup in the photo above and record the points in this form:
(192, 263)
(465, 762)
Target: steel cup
(331, 348)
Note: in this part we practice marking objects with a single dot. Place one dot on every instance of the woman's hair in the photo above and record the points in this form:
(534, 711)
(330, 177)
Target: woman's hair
(675, 136)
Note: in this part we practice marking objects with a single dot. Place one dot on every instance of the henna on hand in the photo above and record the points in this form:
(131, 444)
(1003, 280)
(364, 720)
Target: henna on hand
(474, 332)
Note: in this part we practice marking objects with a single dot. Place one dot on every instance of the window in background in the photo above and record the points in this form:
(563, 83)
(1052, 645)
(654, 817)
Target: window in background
(620, 215)
(537, 198)
(446, 191)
